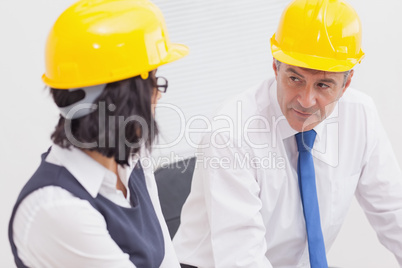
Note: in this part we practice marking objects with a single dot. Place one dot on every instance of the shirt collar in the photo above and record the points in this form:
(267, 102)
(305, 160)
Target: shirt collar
(89, 173)
(283, 126)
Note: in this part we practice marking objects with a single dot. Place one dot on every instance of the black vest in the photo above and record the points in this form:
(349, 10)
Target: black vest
(135, 230)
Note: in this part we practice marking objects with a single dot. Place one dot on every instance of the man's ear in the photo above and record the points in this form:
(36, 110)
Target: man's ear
(274, 67)
(348, 81)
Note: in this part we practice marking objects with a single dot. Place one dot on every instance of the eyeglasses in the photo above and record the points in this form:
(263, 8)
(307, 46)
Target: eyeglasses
(161, 84)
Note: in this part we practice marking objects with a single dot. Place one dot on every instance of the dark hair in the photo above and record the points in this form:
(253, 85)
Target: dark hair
(121, 123)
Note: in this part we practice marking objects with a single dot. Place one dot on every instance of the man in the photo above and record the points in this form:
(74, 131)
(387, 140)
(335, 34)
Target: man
(274, 183)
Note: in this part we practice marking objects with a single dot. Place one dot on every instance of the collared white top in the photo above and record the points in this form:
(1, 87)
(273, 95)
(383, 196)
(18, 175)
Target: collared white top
(52, 217)
(244, 209)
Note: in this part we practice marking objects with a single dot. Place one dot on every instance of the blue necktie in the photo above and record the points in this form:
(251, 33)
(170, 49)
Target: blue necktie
(308, 192)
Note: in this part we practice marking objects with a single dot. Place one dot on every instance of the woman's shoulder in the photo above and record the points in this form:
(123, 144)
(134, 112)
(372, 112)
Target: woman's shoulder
(47, 208)
(53, 228)
(49, 217)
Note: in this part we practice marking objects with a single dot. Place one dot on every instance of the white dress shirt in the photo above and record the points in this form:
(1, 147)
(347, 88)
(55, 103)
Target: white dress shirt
(52, 217)
(244, 209)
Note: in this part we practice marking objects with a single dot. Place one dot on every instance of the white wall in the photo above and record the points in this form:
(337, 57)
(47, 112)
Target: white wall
(229, 42)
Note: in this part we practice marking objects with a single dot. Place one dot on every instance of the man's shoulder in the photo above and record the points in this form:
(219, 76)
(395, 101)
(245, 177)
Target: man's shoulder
(243, 111)
(353, 97)
(356, 107)
(249, 102)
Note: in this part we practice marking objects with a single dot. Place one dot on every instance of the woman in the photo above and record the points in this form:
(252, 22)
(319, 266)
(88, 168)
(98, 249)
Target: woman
(90, 203)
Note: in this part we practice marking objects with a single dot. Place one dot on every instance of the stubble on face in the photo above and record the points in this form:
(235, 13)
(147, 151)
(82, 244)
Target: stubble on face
(306, 97)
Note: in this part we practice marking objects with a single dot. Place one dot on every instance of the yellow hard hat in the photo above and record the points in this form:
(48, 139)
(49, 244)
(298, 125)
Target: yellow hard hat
(102, 41)
(319, 34)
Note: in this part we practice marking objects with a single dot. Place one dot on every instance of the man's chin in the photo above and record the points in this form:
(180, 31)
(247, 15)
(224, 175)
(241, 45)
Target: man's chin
(304, 125)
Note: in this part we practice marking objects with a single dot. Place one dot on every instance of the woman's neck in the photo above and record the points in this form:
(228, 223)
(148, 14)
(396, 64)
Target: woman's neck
(110, 164)
(107, 162)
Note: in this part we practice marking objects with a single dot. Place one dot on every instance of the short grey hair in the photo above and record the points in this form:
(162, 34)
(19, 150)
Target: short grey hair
(345, 78)
(277, 63)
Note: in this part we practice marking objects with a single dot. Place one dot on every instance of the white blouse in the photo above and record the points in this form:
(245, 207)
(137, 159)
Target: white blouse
(52, 217)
